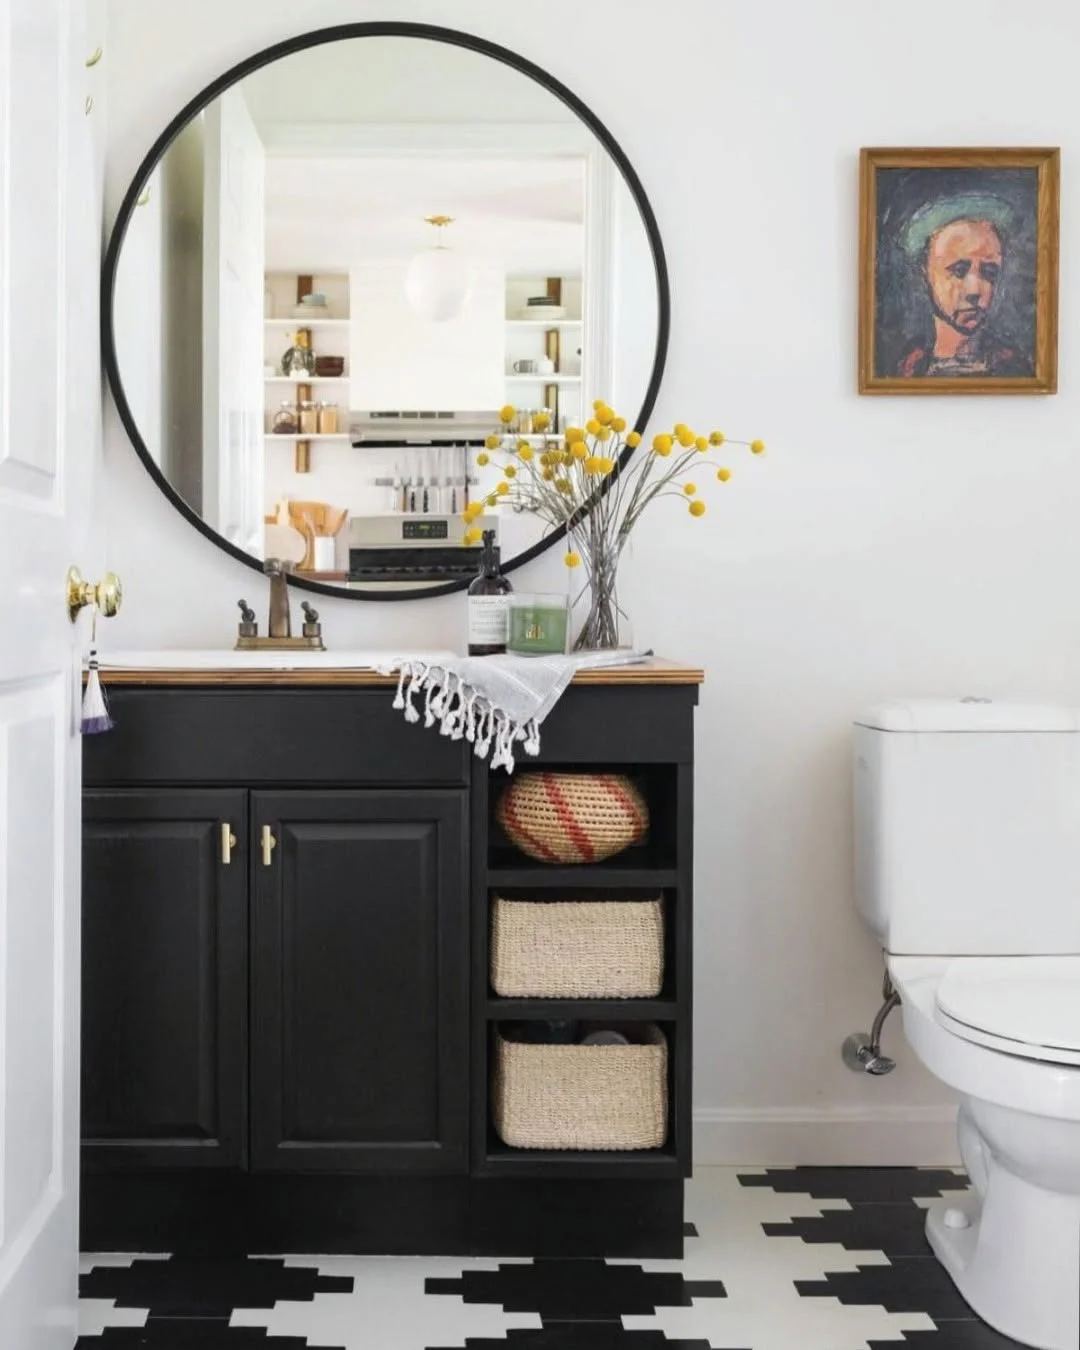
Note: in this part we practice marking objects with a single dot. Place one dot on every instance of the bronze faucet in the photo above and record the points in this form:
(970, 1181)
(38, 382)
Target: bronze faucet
(280, 625)
(279, 629)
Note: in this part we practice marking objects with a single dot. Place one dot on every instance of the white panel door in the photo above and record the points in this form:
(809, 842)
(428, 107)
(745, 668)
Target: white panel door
(50, 416)
(234, 247)
(401, 360)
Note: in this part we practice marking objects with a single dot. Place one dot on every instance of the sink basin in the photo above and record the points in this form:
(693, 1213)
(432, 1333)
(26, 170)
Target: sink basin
(226, 659)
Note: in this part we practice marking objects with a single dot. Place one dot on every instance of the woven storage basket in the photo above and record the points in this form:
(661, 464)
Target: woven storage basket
(573, 817)
(581, 1096)
(577, 949)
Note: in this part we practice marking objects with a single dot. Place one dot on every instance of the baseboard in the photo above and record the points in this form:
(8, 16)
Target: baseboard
(914, 1136)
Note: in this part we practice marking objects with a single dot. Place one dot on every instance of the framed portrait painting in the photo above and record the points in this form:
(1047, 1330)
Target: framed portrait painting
(958, 271)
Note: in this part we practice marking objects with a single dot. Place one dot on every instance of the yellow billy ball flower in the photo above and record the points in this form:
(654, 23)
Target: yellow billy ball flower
(607, 465)
(758, 447)
(689, 488)
(502, 489)
(572, 560)
(541, 421)
(507, 413)
(592, 426)
(491, 500)
(483, 459)
(548, 475)
(662, 445)
(493, 443)
(634, 439)
(563, 485)
(716, 438)
(680, 428)
(697, 508)
(723, 474)
(579, 450)
(597, 404)
(521, 445)
(604, 434)
(702, 443)
(604, 416)
(574, 434)
(473, 536)
(686, 438)
(618, 424)
(592, 464)
(510, 471)
(525, 451)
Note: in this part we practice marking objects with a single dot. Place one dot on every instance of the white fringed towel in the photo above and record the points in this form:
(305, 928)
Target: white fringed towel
(494, 702)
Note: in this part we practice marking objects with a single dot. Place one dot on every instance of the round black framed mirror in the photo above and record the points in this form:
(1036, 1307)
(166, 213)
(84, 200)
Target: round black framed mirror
(338, 262)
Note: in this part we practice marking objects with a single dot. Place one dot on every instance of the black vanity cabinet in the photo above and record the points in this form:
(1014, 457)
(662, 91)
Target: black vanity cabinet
(164, 983)
(359, 991)
(287, 1016)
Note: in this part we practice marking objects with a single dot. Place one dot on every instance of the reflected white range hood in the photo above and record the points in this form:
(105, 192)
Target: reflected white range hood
(394, 427)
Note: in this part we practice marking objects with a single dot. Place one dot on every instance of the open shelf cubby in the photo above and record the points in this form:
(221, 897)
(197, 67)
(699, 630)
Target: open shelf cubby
(660, 866)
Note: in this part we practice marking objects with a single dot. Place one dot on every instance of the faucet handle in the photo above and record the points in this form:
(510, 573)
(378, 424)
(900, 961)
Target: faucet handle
(247, 626)
(312, 628)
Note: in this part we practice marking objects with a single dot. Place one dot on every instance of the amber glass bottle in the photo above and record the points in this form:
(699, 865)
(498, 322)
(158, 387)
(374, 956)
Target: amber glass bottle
(489, 604)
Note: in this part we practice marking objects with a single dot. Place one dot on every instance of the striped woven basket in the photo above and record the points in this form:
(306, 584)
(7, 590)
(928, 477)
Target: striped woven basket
(573, 817)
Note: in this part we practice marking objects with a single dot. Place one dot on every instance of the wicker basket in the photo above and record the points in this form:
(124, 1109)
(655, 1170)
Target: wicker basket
(581, 1096)
(573, 817)
(577, 949)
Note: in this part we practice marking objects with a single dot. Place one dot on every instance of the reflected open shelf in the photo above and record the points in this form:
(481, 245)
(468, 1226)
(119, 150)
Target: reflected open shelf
(306, 436)
(306, 323)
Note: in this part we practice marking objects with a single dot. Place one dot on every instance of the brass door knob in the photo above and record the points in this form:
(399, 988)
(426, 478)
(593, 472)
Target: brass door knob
(106, 593)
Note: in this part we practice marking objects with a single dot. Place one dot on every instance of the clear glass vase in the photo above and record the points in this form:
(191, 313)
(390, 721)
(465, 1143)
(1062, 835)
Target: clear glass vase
(597, 620)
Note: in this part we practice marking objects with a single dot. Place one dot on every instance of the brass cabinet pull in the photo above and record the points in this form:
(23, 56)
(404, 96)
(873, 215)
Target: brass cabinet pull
(228, 842)
(88, 105)
(269, 843)
(95, 56)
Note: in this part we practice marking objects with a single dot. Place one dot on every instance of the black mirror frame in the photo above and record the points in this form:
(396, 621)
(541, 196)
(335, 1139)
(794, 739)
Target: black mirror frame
(319, 37)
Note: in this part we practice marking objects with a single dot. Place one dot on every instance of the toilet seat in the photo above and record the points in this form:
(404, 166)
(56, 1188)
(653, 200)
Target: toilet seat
(1025, 1005)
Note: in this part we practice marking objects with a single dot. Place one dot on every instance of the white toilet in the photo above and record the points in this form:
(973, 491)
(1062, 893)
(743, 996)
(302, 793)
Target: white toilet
(967, 830)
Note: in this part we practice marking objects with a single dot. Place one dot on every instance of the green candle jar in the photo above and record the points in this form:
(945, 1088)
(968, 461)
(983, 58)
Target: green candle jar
(539, 624)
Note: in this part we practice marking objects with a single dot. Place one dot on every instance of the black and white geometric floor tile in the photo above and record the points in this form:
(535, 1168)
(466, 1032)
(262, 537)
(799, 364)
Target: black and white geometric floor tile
(779, 1259)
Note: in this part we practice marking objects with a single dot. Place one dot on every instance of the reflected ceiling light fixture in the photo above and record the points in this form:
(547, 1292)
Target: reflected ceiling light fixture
(437, 280)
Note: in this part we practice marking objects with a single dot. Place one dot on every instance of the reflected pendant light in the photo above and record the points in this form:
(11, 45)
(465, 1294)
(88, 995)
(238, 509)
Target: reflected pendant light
(437, 280)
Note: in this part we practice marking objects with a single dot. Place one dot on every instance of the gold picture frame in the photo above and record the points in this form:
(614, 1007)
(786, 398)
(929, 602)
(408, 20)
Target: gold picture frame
(958, 270)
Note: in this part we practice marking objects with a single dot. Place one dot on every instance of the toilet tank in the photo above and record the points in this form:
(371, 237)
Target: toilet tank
(967, 827)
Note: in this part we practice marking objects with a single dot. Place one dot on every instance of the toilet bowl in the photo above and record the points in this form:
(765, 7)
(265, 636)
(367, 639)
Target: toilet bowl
(1004, 1032)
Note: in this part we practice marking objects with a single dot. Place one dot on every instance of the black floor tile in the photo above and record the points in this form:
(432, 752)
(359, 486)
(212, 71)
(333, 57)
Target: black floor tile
(910, 1284)
(860, 1185)
(895, 1229)
(576, 1290)
(967, 1335)
(582, 1336)
(189, 1333)
(187, 1287)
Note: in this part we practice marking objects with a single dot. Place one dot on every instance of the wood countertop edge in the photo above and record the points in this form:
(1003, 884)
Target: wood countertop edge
(655, 671)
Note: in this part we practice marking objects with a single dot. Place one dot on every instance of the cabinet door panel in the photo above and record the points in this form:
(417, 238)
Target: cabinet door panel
(164, 979)
(360, 993)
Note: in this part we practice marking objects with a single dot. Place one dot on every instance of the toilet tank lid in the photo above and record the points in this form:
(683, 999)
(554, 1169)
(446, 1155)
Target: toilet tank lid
(968, 714)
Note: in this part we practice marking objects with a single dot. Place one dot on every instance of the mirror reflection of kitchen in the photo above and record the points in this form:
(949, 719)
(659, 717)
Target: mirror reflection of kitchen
(299, 343)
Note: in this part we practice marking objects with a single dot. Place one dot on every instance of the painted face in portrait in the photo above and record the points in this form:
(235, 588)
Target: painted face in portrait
(963, 268)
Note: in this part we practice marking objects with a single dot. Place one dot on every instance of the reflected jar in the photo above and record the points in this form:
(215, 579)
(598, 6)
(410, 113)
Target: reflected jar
(285, 423)
(309, 418)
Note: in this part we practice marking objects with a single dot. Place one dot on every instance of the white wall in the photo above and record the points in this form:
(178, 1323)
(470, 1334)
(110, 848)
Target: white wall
(919, 545)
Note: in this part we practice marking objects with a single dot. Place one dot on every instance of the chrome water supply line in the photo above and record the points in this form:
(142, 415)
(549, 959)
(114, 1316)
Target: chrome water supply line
(862, 1053)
